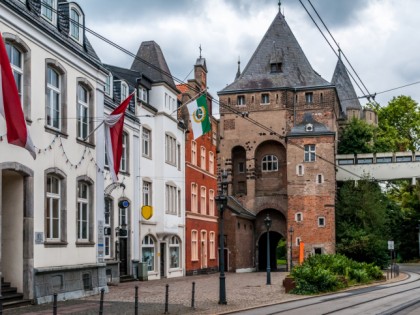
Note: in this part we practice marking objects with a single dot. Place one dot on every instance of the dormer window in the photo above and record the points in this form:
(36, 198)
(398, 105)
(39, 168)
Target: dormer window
(309, 127)
(276, 67)
(48, 10)
(108, 85)
(142, 92)
(76, 24)
(124, 91)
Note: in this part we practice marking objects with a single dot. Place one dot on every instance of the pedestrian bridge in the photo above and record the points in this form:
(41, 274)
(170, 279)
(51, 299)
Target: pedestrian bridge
(380, 166)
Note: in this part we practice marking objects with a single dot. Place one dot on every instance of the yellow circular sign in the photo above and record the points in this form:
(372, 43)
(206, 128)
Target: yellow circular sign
(147, 212)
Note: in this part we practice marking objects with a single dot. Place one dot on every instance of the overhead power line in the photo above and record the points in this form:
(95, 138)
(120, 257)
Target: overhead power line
(228, 107)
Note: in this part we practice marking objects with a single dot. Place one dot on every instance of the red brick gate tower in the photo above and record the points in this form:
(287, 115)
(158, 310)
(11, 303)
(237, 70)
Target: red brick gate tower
(277, 164)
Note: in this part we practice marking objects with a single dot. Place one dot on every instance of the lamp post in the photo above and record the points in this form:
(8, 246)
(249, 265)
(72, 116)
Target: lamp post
(267, 222)
(291, 230)
(222, 200)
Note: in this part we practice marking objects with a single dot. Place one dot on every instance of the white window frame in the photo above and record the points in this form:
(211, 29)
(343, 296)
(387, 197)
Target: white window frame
(212, 241)
(319, 223)
(146, 140)
(171, 195)
(193, 152)
(124, 155)
(17, 67)
(265, 99)
(83, 212)
(108, 206)
(270, 163)
(203, 200)
(170, 149)
(319, 179)
(310, 153)
(194, 197)
(240, 100)
(147, 193)
(53, 93)
(299, 217)
(51, 197)
(174, 246)
(300, 170)
(203, 158)
(82, 113)
(48, 11)
(76, 24)
(124, 91)
(211, 162)
(109, 85)
(149, 243)
(194, 245)
(212, 204)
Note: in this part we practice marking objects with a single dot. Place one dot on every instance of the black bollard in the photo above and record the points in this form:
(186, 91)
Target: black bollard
(101, 302)
(136, 301)
(193, 295)
(55, 304)
(167, 299)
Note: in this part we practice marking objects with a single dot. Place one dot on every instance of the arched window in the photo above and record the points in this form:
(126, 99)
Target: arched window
(82, 112)
(148, 252)
(56, 99)
(16, 62)
(203, 199)
(108, 213)
(75, 24)
(212, 245)
(174, 252)
(270, 163)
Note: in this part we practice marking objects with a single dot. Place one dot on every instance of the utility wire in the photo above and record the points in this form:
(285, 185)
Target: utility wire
(338, 46)
(228, 107)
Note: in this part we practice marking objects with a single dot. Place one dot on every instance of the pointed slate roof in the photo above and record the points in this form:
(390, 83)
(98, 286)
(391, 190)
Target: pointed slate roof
(345, 90)
(278, 46)
(150, 53)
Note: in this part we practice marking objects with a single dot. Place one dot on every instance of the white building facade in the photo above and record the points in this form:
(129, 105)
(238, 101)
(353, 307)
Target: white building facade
(49, 208)
(155, 181)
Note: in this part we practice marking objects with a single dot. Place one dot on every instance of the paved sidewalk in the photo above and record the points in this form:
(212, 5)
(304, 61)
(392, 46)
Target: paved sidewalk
(243, 290)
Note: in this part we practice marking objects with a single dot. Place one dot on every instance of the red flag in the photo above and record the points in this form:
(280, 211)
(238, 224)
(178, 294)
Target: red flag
(114, 124)
(10, 107)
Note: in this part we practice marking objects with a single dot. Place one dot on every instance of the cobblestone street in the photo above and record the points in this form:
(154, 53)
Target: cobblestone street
(243, 290)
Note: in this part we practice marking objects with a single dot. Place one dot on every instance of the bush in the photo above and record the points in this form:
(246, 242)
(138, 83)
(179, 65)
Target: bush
(325, 273)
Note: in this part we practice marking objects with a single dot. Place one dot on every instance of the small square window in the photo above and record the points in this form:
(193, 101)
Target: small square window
(299, 217)
(265, 98)
(240, 100)
(321, 221)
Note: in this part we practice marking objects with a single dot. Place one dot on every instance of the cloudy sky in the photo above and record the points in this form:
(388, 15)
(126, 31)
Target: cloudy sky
(381, 38)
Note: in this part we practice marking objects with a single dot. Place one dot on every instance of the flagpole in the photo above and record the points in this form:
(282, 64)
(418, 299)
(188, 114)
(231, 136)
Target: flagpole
(189, 101)
(87, 137)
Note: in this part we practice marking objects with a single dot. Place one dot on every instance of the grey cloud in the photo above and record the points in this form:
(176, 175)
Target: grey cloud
(335, 13)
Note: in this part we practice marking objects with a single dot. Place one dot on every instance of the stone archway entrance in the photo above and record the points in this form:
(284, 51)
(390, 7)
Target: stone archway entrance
(17, 226)
(275, 237)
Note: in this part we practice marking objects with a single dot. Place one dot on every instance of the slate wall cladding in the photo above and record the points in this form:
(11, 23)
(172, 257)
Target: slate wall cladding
(67, 283)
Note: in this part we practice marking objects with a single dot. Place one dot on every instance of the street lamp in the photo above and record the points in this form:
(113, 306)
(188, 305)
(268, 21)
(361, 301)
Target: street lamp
(222, 200)
(291, 230)
(267, 222)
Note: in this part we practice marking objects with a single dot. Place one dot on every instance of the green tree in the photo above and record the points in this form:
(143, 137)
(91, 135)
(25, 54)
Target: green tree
(361, 222)
(356, 138)
(399, 124)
